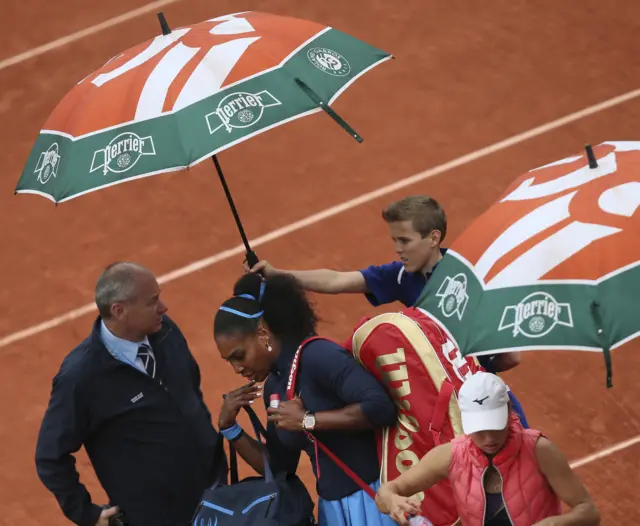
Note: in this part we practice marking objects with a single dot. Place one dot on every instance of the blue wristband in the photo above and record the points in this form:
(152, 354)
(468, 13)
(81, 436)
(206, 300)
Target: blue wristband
(231, 433)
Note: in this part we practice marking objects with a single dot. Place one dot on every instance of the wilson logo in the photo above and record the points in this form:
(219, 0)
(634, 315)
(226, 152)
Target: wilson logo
(293, 374)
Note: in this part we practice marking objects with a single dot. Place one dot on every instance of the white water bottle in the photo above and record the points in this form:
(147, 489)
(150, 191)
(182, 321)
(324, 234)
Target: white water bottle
(417, 520)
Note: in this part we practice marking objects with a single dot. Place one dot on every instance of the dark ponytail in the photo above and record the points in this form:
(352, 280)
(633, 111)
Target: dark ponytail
(280, 301)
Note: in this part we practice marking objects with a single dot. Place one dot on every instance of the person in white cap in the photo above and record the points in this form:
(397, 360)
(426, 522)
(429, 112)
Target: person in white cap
(500, 473)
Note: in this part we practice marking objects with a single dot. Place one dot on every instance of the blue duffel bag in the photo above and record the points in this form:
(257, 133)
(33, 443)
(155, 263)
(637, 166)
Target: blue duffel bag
(273, 500)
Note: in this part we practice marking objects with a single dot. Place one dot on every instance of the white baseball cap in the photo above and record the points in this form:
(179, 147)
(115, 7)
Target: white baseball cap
(483, 400)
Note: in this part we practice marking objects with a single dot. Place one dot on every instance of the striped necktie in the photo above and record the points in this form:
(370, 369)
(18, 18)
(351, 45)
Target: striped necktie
(149, 362)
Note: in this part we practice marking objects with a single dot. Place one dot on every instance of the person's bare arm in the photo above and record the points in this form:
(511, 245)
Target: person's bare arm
(324, 281)
(567, 487)
(393, 497)
(505, 361)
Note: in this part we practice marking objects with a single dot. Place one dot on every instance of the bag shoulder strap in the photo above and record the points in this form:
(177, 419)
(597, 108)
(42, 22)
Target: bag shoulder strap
(440, 411)
(291, 388)
(348, 471)
(295, 367)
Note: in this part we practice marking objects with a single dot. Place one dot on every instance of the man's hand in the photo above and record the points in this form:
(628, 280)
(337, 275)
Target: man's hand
(103, 520)
(288, 416)
(262, 266)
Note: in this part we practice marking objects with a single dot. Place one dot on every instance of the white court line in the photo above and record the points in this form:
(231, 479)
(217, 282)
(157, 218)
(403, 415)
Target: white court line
(315, 218)
(605, 452)
(334, 210)
(63, 41)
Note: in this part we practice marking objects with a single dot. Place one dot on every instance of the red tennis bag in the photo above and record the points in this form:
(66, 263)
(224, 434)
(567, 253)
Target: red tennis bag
(422, 370)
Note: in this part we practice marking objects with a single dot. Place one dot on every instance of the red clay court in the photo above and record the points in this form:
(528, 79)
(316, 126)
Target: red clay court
(478, 94)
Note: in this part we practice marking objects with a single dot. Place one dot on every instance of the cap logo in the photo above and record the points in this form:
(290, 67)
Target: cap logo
(479, 402)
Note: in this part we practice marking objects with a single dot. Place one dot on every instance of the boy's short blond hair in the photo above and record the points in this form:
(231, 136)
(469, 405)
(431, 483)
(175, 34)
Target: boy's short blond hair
(424, 212)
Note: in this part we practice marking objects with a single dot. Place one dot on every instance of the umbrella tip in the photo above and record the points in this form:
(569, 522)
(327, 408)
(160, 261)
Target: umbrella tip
(591, 156)
(163, 24)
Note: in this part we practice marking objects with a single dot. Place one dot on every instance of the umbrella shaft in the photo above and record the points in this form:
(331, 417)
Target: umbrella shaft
(251, 257)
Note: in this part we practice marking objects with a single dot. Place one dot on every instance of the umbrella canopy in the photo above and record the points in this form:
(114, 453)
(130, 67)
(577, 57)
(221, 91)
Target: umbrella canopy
(553, 265)
(188, 94)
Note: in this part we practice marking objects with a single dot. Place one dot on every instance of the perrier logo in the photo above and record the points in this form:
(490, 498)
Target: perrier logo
(122, 153)
(240, 110)
(453, 296)
(536, 315)
(48, 162)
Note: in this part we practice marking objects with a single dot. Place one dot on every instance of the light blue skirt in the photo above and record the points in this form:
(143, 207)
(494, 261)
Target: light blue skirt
(358, 509)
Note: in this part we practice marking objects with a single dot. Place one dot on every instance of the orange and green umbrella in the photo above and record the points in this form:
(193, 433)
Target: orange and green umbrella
(553, 265)
(188, 94)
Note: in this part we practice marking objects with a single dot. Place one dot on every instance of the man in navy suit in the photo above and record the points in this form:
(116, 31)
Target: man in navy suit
(130, 394)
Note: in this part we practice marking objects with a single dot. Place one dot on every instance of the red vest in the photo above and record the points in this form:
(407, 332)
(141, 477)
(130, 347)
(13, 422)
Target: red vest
(527, 495)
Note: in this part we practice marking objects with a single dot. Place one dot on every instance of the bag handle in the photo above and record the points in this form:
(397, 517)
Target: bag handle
(258, 428)
(291, 387)
(259, 431)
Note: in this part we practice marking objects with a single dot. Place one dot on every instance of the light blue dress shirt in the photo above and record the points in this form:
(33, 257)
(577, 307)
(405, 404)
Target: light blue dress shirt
(124, 350)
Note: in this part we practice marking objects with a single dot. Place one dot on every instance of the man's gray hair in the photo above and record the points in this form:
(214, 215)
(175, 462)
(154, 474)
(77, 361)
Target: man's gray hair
(117, 283)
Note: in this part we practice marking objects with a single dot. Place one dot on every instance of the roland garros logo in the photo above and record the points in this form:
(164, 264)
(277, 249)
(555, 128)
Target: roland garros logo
(569, 215)
(233, 39)
(329, 61)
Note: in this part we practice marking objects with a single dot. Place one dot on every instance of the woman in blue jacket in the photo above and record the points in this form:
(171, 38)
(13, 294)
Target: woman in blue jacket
(258, 332)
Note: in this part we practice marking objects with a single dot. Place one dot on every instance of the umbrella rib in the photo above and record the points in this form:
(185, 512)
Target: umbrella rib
(606, 348)
(324, 106)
